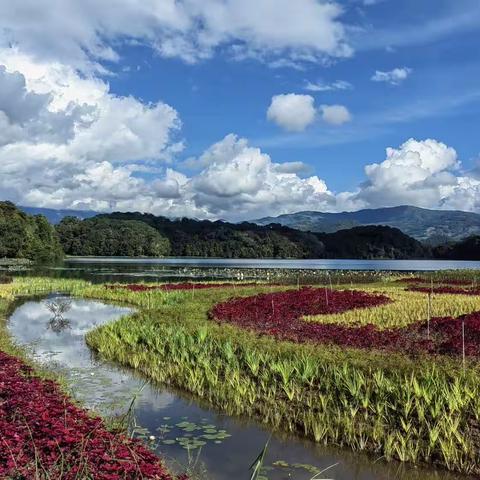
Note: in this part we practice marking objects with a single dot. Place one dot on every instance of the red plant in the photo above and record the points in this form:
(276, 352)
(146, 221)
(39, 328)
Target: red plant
(41, 429)
(280, 315)
(452, 281)
(138, 287)
(445, 289)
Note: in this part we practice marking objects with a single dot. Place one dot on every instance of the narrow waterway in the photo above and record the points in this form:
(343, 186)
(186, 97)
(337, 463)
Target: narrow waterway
(183, 430)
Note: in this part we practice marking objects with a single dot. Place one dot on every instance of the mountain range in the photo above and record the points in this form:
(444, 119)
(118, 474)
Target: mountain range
(430, 226)
(56, 216)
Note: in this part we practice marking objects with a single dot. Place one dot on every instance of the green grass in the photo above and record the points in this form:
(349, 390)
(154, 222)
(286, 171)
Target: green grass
(411, 409)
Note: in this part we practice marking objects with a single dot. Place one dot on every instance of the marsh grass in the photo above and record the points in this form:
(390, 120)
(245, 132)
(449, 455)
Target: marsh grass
(413, 409)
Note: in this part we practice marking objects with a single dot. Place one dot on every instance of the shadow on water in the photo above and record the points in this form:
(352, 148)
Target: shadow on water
(182, 429)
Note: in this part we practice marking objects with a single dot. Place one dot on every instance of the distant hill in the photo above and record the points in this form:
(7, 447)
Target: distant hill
(204, 238)
(56, 216)
(467, 249)
(432, 226)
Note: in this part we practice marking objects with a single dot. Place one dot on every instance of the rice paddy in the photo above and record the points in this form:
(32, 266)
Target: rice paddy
(418, 406)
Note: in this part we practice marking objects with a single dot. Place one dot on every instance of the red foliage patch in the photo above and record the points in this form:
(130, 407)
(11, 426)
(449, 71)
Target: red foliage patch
(280, 315)
(138, 287)
(413, 280)
(446, 289)
(41, 429)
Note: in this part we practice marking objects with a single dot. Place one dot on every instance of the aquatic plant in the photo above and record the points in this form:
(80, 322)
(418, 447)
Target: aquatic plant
(44, 435)
(414, 408)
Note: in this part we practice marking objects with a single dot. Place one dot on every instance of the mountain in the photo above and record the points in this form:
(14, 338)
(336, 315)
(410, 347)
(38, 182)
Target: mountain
(55, 216)
(187, 237)
(432, 226)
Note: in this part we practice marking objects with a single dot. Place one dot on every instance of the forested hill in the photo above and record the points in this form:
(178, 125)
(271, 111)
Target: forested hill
(188, 237)
(27, 236)
(433, 226)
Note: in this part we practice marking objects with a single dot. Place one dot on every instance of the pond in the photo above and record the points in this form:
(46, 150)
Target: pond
(186, 431)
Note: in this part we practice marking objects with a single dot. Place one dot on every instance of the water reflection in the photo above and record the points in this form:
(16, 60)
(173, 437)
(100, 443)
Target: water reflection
(182, 429)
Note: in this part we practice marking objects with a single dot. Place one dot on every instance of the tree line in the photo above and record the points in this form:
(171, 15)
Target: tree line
(136, 235)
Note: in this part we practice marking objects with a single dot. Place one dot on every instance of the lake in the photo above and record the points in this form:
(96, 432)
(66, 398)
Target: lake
(125, 269)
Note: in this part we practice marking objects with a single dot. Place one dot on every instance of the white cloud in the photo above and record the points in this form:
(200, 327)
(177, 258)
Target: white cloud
(66, 140)
(243, 182)
(306, 30)
(335, 114)
(393, 77)
(292, 112)
(422, 173)
(328, 87)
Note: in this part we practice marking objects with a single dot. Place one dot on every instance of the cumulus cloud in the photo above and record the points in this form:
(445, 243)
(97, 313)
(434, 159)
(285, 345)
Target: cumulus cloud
(304, 30)
(67, 140)
(292, 112)
(242, 181)
(424, 173)
(327, 87)
(335, 114)
(393, 77)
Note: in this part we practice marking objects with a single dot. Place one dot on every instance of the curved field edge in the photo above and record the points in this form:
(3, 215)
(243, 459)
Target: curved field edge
(69, 442)
(420, 410)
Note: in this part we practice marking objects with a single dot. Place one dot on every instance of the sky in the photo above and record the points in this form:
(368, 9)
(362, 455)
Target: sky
(239, 109)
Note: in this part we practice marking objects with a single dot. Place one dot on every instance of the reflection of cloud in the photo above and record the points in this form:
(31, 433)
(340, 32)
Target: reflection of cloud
(29, 325)
(97, 384)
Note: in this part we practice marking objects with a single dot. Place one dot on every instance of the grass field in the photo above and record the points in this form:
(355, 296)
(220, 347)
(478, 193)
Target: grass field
(416, 408)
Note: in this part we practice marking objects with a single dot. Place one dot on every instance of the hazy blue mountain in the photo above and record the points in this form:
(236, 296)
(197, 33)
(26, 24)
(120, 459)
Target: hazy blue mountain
(434, 226)
(56, 216)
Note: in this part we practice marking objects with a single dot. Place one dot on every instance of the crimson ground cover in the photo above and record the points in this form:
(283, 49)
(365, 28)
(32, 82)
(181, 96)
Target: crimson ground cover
(137, 287)
(43, 433)
(280, 315)
(430, 281)
(445, 289)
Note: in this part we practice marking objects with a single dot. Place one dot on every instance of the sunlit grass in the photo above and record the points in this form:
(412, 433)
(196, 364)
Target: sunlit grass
(406, 308)
(415, 409)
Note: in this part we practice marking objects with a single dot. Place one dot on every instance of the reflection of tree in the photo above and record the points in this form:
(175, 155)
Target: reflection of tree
(58, 324)
(58, 307)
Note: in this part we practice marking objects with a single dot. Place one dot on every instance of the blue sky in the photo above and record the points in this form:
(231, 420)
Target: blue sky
(256, 86)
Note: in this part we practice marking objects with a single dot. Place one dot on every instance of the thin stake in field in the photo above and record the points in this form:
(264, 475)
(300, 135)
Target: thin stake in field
(429, 313)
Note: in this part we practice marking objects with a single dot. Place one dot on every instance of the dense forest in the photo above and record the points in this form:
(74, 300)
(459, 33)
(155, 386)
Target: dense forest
(467, 249)
(137, 234)
(26, 236)
(189, 237)
(101, 236)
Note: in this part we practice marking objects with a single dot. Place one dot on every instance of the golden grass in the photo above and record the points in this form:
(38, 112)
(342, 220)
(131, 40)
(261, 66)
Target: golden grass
(406, 308)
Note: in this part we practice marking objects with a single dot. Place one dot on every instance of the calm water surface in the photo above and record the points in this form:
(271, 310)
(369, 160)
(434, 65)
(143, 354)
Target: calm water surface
(124, 269)
(322, 264)
(186, 431)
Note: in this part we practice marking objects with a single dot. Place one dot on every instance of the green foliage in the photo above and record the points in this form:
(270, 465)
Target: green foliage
(372, 242)
(411, 409)
(104, 236)
(468, 249)
(246, 240)
(24, 236)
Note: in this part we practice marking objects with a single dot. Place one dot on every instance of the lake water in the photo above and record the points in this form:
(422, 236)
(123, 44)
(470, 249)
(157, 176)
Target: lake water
(124, 269)
(321, 264)
(186, 430)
